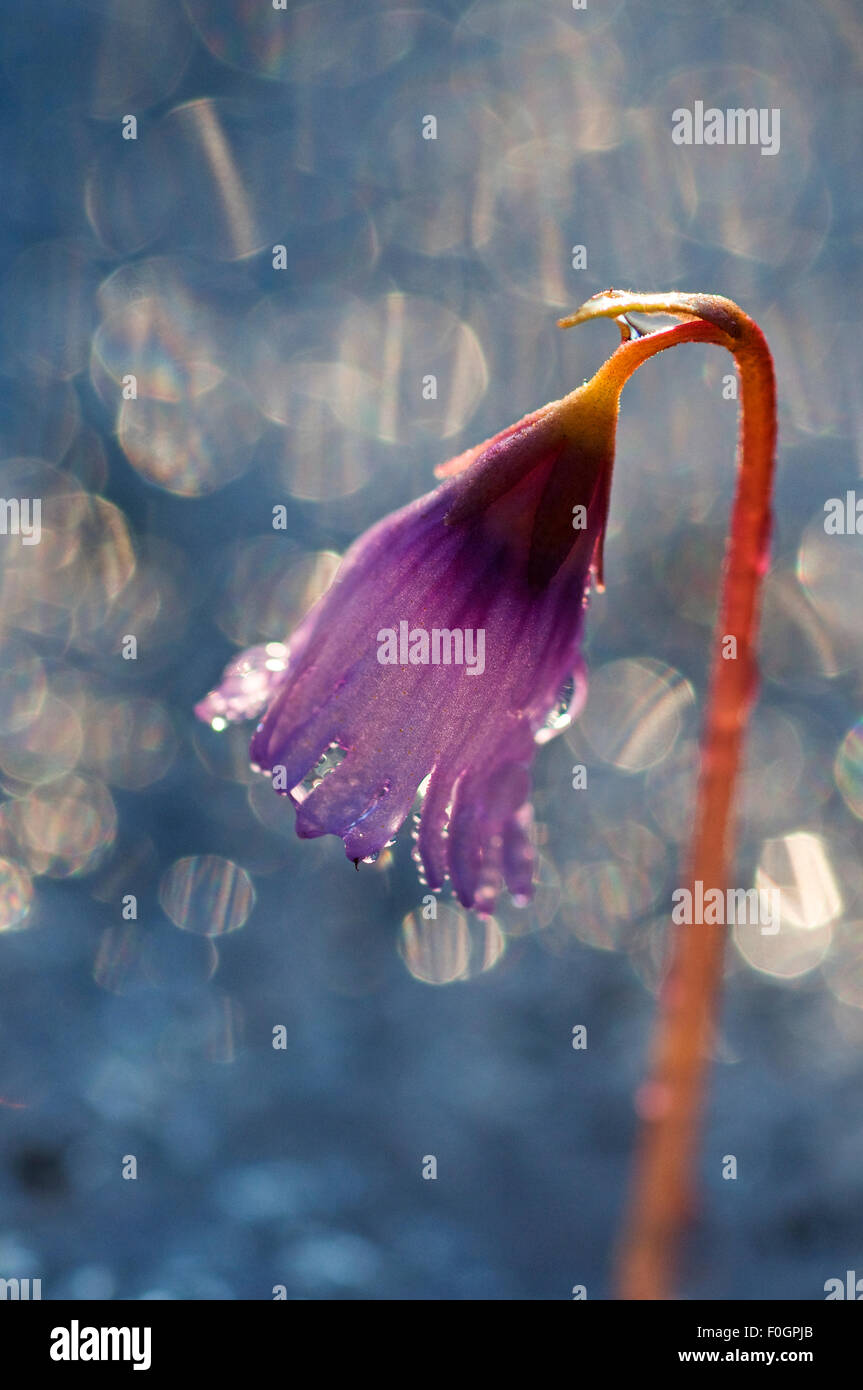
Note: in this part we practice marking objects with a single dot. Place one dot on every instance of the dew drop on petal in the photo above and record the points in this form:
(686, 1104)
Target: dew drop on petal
(569, 705)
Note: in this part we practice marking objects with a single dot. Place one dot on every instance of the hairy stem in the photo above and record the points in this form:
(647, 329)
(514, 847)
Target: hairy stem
(663, 1188)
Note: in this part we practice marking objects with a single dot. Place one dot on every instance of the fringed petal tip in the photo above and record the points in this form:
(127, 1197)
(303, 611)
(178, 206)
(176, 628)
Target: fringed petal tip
(247, 686)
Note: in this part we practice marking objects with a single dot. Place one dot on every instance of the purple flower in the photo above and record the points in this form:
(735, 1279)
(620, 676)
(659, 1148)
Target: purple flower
(439, 654)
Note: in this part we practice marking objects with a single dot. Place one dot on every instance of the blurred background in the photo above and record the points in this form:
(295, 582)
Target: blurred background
(169, 376)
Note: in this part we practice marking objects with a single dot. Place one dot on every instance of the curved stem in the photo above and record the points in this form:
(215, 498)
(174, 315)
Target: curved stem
(661, 1200)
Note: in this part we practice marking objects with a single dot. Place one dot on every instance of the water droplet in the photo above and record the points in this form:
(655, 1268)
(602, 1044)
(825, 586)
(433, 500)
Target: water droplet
(569, 705)
(327, 763)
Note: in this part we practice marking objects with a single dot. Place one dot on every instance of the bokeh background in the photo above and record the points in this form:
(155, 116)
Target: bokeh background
(301, 387)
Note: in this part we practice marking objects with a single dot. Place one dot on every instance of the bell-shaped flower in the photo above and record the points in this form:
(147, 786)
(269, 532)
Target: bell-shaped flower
(438, 658)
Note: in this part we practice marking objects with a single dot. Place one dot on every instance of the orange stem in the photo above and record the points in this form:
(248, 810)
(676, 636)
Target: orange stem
(663, 1188)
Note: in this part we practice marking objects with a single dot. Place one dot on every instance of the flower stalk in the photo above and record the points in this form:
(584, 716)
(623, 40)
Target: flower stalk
(663, 1187)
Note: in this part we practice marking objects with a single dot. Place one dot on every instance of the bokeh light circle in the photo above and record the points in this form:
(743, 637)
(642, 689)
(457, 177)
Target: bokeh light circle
(207, 894)
(16, 896)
